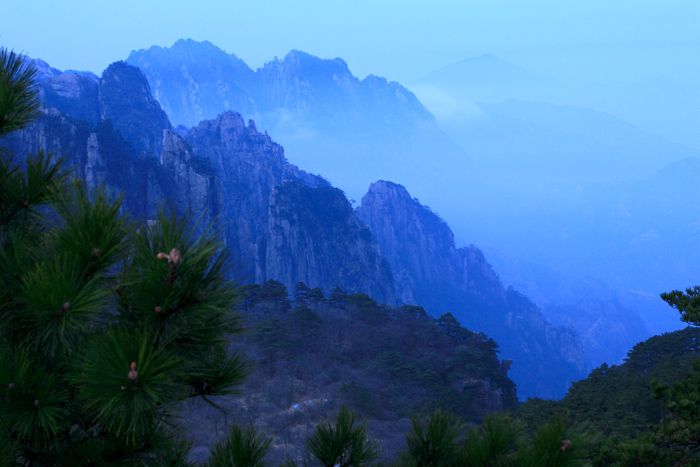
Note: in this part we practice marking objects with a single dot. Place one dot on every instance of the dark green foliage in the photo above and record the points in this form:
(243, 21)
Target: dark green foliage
(493, 443)
(386, 364)
(338, 299)
(433, 441)
(301, 292)
(343, 442)
(106, 326)
(202, 165)
(416, 312)
(558, 444)
(243, 447)
(316, 296)
(688, 303)
(324, 202)
(19, 94)
(618, 400)
(274, 293)
(439, 440)
(450, 325)
(87, 379)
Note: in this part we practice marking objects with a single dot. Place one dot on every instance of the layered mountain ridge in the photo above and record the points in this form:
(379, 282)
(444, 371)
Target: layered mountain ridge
(315, 108)
(285, 223)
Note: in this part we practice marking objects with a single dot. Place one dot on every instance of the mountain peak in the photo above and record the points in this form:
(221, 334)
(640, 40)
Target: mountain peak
(390, 189)
(311, 63)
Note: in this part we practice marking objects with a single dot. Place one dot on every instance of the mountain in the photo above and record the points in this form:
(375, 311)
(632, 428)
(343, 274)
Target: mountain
(537, 165)
(223, 169)
(432, 272)
(353, 131)
(664, 102)
(195, 81)
(282, 222)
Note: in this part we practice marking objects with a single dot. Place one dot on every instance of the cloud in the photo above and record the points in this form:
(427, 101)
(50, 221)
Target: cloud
(446, 107)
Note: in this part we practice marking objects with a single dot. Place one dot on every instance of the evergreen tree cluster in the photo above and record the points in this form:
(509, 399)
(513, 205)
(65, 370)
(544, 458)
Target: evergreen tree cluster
(106, 324)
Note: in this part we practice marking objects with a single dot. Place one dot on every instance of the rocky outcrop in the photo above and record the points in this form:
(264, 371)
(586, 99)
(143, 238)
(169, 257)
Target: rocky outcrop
(482, 394)
(198, 186)
(125, 98)
(273, 222)
(75, 95)
(250, 165)
(433, 272)
(607, 328)
(315, 237)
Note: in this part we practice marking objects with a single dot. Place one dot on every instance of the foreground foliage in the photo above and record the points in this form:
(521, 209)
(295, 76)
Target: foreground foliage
(106, 325)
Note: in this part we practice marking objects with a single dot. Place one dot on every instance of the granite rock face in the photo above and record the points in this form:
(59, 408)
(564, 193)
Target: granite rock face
(286, 224)
(432, 272)
(198, 187)
(73, 94)
(323, 243)
(250, 165)
(266, 199)
(125, 98)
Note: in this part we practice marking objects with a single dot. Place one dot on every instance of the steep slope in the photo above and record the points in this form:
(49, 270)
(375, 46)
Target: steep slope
(429, 269)
(323, 244)
(120, 86)
(610, 320)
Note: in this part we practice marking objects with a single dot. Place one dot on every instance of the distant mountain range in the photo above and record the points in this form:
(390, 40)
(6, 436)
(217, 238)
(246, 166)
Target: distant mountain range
(353, 131)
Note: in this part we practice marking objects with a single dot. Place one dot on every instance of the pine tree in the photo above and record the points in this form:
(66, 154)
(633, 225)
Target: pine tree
(106, 324)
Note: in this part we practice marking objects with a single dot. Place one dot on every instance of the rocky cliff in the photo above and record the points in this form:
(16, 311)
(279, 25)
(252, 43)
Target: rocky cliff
(113, 131)
(324, 244)
(121, 86)
(431, 271)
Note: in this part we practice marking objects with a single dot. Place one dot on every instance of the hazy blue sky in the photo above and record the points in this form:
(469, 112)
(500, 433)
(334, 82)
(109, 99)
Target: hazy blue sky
(401, 40)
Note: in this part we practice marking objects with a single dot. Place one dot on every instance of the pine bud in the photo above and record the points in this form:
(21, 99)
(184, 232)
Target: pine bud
(36, 402)
(158, 309)
(95, 252)
(565, 444)
(26, 204)
(133, 374)
(174, 256)
(123, 388)
(162, 255)
(11, 386)
(66, 306)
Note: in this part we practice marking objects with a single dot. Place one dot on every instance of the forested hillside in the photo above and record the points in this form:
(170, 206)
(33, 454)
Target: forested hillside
(317, 353)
